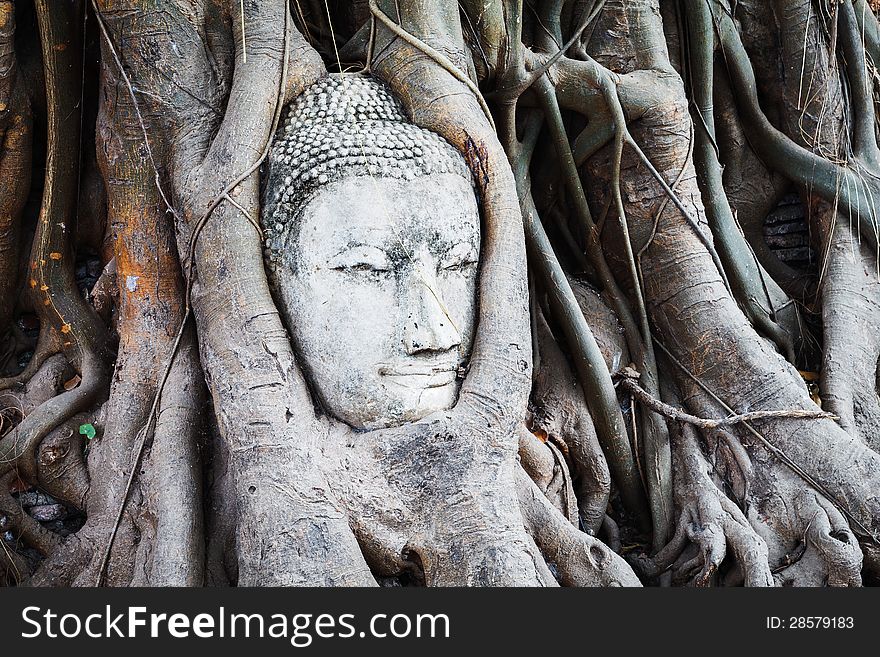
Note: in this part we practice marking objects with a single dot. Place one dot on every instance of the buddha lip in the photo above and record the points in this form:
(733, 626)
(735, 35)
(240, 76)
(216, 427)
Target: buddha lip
(443, 373)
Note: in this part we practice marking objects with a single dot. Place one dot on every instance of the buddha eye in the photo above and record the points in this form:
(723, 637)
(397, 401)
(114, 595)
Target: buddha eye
(459, 265)
(366, 267)
(363, 260)
(460, 257)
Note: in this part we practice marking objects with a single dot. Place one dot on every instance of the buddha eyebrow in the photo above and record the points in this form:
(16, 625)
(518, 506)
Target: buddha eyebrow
(460, 242)
(444, 246)
(354, 245)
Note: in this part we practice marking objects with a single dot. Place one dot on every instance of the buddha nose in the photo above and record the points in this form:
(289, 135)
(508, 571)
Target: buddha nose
(428, 327)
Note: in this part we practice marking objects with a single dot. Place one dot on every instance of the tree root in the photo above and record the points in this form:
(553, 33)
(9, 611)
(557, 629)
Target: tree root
(403, 529)
(15, 161)
(628, 382)
(851, 318)
(64, 315)
(172, 536)
(21, 524)
(61, 465)
(14, 569)
(590, 367)
(559, 410)
(853, 184)
(578, 559)
(749, 285)
(697, 319)
(18, 448)
(710, 522)
(821, 123)
(545, 463)
(809, 541)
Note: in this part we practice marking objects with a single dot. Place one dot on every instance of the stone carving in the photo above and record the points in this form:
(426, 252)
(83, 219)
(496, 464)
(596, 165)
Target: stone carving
(372, 241)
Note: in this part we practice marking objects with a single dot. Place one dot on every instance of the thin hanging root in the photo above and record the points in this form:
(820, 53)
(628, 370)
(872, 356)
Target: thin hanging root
(869, 29)
(580, 559)
(613, 100)
(659, 213)
(659, 477)
(135, 105)
(589, 364)
(592, 372)
(655, 433)
(595, 254)
(619, 138)
(739, 262)
(523, 81)
(864, 135)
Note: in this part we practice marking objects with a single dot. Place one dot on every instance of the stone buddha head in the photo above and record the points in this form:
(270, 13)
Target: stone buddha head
(372, 245)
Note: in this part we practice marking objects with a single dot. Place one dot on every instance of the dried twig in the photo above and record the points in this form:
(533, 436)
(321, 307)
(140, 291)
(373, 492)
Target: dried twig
(628, 382)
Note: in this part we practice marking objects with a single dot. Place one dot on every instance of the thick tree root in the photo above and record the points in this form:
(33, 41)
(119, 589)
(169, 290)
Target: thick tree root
(808, 539)
(577, 558)
(439, 503)
(15, 161)
(403, 527)
(851, 317)
(710, 522)
(559, 409)
(61, 464)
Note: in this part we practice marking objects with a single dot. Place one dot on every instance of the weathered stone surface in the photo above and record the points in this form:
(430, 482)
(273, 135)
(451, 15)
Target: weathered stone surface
(373, 243)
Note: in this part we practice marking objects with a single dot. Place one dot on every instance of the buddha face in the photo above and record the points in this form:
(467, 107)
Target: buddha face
(378, 281)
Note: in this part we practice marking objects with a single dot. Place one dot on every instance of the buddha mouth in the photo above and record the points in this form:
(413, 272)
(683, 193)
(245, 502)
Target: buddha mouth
(422, 375)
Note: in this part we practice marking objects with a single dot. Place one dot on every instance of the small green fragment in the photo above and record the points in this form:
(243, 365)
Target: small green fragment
(87, 430)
